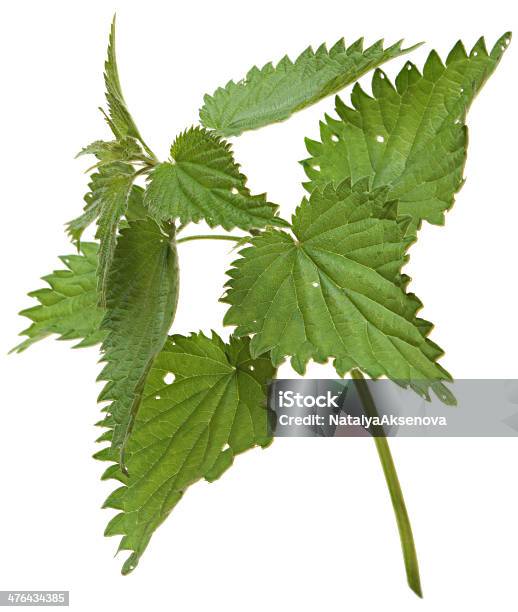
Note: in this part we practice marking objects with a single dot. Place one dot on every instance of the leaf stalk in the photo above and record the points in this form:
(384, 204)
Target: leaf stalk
(394, 487)
(209, 237)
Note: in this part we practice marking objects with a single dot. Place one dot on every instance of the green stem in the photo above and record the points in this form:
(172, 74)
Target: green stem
(153, 157)
(396, 494)
(209, 237)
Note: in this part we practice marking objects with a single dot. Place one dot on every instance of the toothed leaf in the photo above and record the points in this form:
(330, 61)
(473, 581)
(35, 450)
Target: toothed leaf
(141, 303)
(187, 430)
(202, 182)
(118, 118)
(106, 202)
(272, 94)
(335, 290)
(135, 210)
(410, 137)
(125, 150)
(68, 307)
(110, 191)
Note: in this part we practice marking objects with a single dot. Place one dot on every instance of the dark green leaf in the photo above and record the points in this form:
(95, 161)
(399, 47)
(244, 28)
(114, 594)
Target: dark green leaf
(202, 182)
(410, 137)
(186, 430)
(336, 291)
(141, 303)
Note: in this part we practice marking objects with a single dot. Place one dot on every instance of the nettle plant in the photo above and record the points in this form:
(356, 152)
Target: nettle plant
(327, 285)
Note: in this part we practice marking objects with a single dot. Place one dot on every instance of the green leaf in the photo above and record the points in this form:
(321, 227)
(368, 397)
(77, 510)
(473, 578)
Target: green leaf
(125, 150)
(336, 290)
(272, 94)
(202, 181)
(141, 304)
(68, 307)
(410, 137)
(76, 227)
(118, 118)
(186, 430)
(107, 201)
(136, 209)
(111, 186)
(111, 191)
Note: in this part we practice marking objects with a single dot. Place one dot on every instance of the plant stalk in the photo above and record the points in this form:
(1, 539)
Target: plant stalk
(208, 237)
(396, 494)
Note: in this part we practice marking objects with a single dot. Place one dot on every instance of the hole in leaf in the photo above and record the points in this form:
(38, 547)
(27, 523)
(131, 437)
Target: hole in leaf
(234, 190)
(382, 76)
(316, 167)
(475, 53)
(380, 138)
(507, 41)
(409, 67)
(169, 378)
(315, 284)
(157, 397)
(226, 447)
(251, 368)
(334, 138)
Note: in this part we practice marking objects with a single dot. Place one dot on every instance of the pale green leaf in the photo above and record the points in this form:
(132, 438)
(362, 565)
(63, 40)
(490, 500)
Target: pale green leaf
(125, 150)
(141, 303)
(111, 190)
(68, 307)
(76, 227)
(410, 137)
(202, 182)
(186, 430)
(335, 290)
(118, 117)
(271, 94)
(135, 210)
(106, 202)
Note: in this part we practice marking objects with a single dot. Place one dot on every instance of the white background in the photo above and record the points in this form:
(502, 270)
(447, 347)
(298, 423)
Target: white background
(306, 524)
